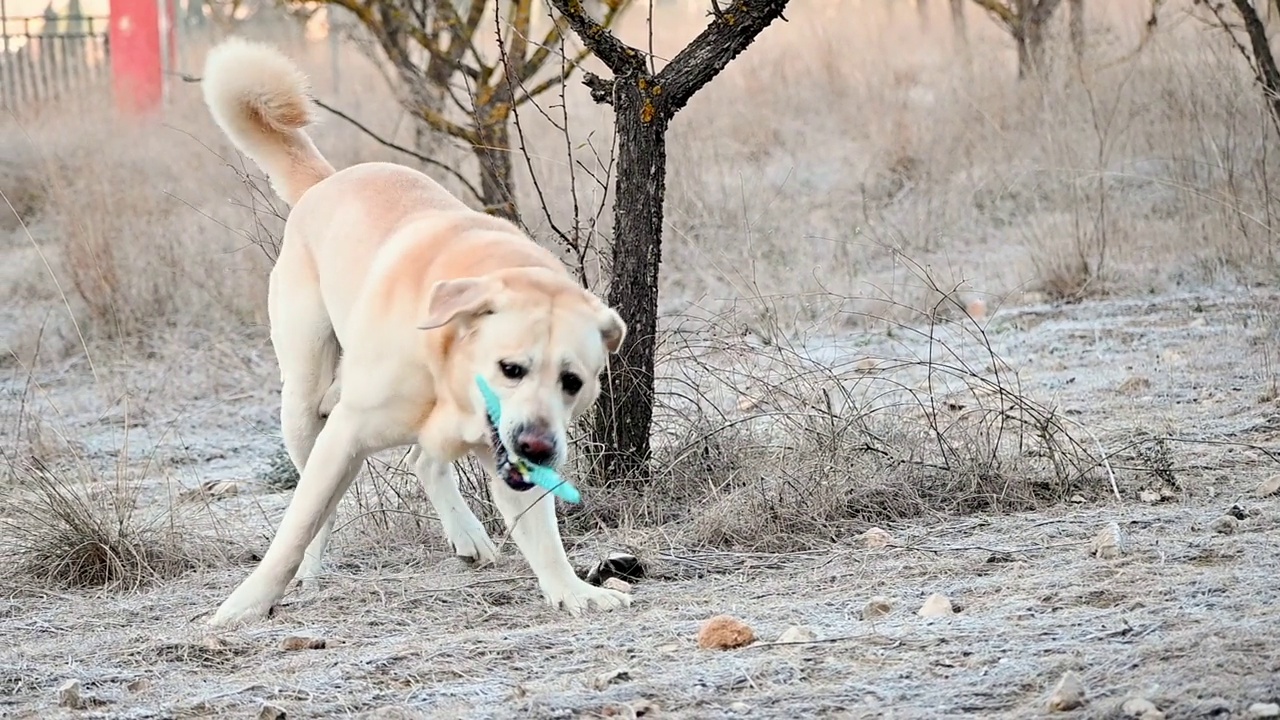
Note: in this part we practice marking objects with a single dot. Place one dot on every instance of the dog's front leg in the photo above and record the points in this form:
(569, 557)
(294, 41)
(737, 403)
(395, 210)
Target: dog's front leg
(461, 526)
(531, 516)
(332, 465)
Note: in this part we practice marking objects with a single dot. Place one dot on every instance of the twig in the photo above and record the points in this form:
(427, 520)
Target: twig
(983, 548)
(381, 141)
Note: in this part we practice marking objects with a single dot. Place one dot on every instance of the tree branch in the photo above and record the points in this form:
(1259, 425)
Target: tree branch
(1001, 12)
(380, 140)
(539, 57)
(619, 57)
(518, 44)
(1264, 61)
(448, 169)
(731, 31)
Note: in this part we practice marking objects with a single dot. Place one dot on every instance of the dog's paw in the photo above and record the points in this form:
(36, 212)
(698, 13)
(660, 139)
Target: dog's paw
(470, 541)
(309, 575)
(577, 597)
(245, 604)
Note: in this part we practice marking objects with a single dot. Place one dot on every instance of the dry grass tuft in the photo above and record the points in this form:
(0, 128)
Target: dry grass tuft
(781, 447)
(64, 532)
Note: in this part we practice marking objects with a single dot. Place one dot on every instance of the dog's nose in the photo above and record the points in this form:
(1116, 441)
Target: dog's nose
(536, 446)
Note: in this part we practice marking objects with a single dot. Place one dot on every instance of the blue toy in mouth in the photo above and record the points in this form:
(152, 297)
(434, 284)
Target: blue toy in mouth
(539, 475)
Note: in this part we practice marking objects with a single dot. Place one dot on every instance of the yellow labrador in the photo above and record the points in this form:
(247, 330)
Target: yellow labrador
(421, 294)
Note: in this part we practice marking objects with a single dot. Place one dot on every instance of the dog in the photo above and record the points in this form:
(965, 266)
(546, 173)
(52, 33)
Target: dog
(388, 298)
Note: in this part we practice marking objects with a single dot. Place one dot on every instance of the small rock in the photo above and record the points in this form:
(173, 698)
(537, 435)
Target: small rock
(605, 679)
(271, 712)
(138, 685)
(1264, 710)
(876, 538)
(69, 695)
(1077, 499)
(739, 707)
(936, 605)
(878, 606)
(1225, 525)
(300, 642)
(724, 632)
(1140, 708)
(616, 583)
(1068, 694)
(1149, 496)
(1109, 543)
(797, 634)
(1268, 488)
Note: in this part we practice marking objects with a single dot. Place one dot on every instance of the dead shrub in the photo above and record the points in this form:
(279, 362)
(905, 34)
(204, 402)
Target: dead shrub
(128, 236)
(76, 532)
(771, 447)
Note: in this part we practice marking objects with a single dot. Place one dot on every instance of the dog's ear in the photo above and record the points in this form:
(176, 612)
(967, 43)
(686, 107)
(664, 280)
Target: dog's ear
(451, 299)
(612, 328)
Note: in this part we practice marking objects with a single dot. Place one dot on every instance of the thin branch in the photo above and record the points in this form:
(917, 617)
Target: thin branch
(568, 65)
(448, 169)
(723, 40)
(1002, 13)
(380, 140)
(619, 57)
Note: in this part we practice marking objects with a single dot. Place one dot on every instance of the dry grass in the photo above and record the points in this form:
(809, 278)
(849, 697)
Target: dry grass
(869, 259)
(66, 533)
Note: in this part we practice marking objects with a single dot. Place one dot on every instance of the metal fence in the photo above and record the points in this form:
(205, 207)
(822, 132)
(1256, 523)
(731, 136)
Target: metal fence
(50, 56)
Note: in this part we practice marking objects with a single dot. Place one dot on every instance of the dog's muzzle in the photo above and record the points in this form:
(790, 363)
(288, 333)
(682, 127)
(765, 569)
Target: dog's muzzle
(507, 469)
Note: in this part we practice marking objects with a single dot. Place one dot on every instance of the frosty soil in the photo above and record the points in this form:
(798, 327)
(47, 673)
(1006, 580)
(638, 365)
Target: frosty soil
(1183, 617)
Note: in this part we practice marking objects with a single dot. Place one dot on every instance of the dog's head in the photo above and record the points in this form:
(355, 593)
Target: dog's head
(541, 342)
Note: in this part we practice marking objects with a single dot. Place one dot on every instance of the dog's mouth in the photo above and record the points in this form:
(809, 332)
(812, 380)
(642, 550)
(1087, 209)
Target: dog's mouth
(507, 469)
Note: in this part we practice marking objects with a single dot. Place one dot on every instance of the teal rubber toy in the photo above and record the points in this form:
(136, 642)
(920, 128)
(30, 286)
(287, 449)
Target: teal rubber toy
(539, 475)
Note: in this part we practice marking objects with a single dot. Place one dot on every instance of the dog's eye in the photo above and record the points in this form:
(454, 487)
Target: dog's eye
(570, 382)
(510, 370)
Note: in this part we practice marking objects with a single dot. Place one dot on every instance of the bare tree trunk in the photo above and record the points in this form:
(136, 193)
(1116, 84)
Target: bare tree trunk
(625, 410)
(1076, 16)
(644, 104)
(1033, 17)
(497, 185)
(1264, 61)
(959, 26)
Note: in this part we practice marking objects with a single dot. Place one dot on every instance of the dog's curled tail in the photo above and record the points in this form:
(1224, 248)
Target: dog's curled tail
(261, 101)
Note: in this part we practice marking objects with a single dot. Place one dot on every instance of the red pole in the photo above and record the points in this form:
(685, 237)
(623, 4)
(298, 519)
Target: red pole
(134, 38)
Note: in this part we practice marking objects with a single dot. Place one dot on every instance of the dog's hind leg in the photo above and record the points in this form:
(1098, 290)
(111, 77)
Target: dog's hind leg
(461, 526)
(307, 352)
(330, 399)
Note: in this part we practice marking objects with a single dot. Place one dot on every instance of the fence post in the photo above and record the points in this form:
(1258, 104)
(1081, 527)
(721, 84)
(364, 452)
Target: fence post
(135, 41)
